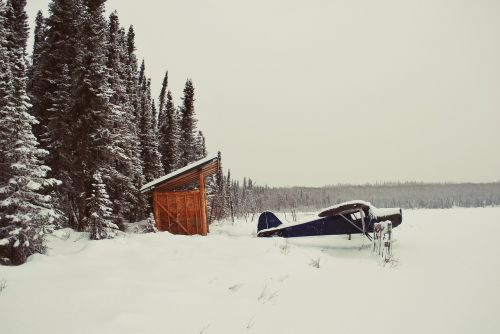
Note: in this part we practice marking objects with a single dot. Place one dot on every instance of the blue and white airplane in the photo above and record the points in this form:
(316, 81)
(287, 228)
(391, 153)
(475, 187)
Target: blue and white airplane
(354, 217)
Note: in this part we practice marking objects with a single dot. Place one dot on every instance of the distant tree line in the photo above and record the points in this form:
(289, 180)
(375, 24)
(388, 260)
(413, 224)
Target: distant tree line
(79, 130)
(247, 200)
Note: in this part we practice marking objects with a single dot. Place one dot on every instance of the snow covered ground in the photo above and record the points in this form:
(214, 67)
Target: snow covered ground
(446, 279)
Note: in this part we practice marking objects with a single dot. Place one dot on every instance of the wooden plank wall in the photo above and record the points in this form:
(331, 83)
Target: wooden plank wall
(180, 212)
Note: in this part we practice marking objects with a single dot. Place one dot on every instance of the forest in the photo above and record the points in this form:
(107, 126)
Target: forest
(79, 130)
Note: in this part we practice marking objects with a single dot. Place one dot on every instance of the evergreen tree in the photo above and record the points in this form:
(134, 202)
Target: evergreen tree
(56, 44)
(215, 193)
(139, 209)
(131, 43)
(162, 100)
(16, 36)
(60, 107)
(98, 221)
(126, 159)
(150, 226)
(39, 37)
(142, 76)
(20, 26)
(132, 75)
(200, 148)
(168, 135)
(178, 136)
(148, 138)
(93, 109)
(155, 116)
(187, 150)
(26, 211)
(228, 200)
(6, 91)
(163, 94)
(52, 84)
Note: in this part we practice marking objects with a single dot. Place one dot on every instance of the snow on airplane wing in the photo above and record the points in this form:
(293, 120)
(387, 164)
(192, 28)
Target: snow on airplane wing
(344, 207)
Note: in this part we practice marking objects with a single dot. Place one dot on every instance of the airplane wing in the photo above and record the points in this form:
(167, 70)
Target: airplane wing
(345, 208)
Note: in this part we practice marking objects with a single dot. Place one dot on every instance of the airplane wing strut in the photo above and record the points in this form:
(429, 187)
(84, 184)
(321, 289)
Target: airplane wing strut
(356, 226)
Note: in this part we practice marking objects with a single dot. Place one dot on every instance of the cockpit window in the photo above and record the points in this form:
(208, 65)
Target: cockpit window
(357, 215)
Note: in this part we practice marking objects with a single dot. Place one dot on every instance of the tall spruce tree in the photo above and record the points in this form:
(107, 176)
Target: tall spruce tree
(168, 135)
(132, 75)
(95, 112)
(163, 94)
(52, 85)
(56, 44)
(5, 93)
(39, 37)
(140, 207)
(26, 211)
(142, 76)
(155, 115)
(126, 160)
(187, 126)
(148, 138)
(20, 26)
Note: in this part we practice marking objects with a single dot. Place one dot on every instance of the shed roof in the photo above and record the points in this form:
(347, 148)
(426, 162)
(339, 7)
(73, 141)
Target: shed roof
(185, 175)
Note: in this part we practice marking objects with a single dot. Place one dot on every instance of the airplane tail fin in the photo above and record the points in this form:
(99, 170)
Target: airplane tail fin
(267, 220)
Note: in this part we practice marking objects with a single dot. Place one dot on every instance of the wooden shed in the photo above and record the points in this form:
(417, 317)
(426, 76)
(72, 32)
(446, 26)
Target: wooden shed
(181, 211)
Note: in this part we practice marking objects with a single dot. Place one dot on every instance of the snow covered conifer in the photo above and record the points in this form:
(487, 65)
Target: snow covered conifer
(187, 126)
(6, 91)
(215, 192)
(155, 116)
(163, 93)
(126, 157)
(151, 157)
(150, 226)
(132, 75)
(51, 89)
(39, 36)
(131, 43)
(20, 27)
(142, 75)
(95, 135)
(139, 207)
(98, 222)
(167, 132)
(228, 200)
(56, 44)
(200, 147)
(25, 210)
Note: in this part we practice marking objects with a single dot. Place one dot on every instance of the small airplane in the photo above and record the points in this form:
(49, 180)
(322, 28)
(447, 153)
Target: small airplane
(354, 217)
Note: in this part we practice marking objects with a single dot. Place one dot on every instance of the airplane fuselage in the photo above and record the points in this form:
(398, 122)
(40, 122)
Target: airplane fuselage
(333, 225)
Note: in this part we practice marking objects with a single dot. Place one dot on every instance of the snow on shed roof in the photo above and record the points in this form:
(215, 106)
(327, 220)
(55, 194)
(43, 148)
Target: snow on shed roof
(195, 165)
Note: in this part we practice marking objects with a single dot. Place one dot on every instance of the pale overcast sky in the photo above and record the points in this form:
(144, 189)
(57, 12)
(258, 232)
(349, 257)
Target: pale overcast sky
(321, 92)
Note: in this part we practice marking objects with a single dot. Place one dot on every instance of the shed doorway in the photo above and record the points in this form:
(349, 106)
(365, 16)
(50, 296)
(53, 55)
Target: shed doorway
(179, 212)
